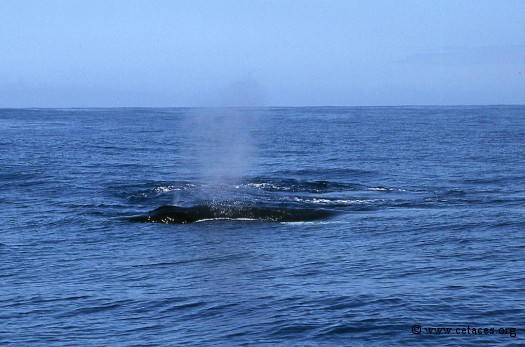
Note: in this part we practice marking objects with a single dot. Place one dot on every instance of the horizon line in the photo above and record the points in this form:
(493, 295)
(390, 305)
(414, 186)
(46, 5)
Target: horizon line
(253, 107)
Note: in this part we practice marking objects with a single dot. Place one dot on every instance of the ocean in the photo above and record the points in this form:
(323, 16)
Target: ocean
(313, 226)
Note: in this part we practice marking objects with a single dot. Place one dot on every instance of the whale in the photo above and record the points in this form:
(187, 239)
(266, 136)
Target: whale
(181, 215)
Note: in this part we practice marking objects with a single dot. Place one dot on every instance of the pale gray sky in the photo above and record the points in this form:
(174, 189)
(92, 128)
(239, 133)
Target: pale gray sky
(268, 53)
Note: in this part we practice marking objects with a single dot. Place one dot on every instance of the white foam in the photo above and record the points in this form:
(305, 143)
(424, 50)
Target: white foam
(326, 201)
(225, 218)
(165, 189)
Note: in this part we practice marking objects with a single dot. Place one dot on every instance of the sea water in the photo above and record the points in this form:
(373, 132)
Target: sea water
(428, 230)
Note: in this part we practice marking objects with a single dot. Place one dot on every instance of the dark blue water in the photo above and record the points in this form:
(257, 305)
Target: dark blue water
(428, 226)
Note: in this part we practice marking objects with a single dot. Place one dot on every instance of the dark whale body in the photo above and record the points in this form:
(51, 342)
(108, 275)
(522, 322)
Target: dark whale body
(182, 215)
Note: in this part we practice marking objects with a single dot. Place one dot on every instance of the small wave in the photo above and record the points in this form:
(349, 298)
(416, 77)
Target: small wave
(335, 201)
(385, 189)
(151, 191)
(328, 172)
(165, 189)
(293, 185)
(225, 219)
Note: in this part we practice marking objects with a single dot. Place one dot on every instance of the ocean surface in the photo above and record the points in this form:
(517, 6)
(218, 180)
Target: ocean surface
(411, 218)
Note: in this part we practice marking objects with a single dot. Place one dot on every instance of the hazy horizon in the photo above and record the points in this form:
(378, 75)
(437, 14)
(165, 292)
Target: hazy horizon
(257, 107)
(261, 53)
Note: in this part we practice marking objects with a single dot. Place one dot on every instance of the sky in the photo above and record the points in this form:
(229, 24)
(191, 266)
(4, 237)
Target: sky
(261, 53)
